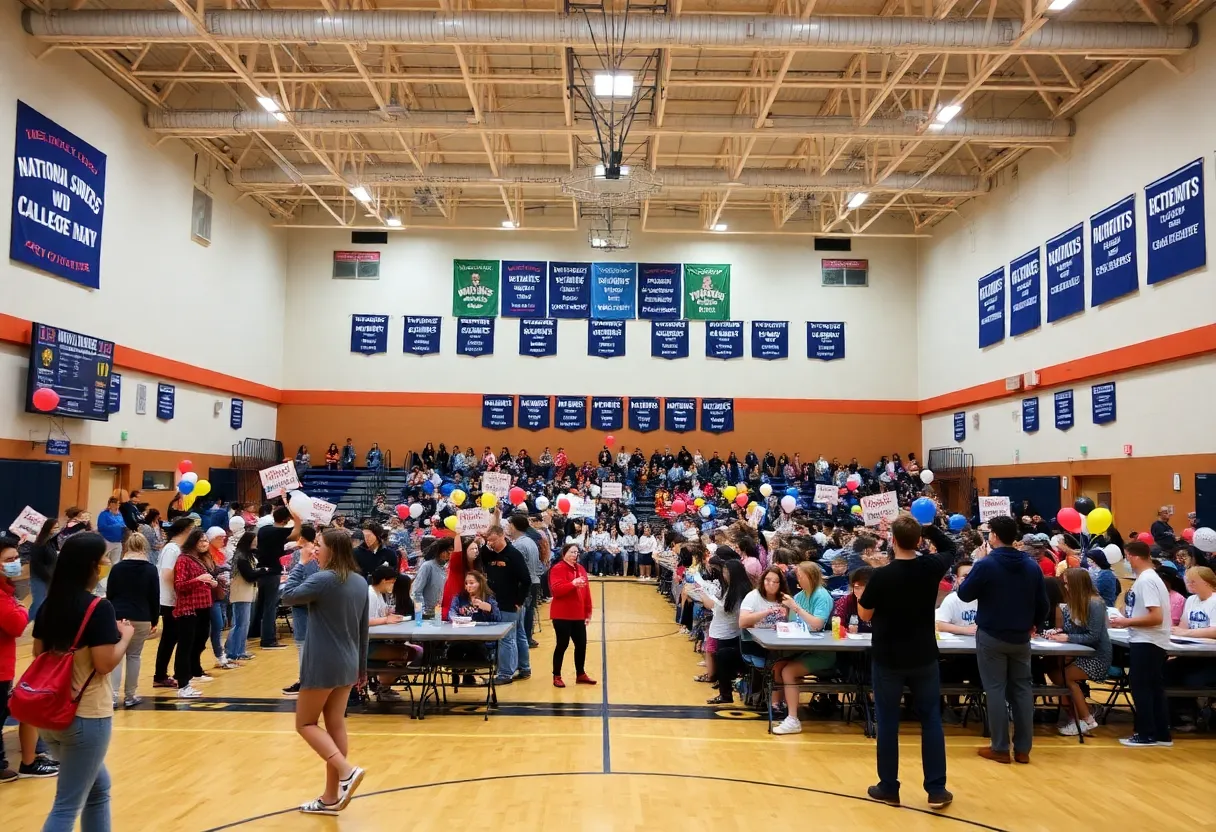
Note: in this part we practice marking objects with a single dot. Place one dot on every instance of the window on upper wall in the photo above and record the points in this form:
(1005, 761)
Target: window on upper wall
(200, 217)
(158, 481)
(845, 272)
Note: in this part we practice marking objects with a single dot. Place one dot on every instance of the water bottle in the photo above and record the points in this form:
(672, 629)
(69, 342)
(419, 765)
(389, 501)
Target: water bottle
(853, 622)
(418, 616)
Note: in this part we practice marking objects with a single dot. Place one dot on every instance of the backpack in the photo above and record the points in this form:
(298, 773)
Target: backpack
(43, 696)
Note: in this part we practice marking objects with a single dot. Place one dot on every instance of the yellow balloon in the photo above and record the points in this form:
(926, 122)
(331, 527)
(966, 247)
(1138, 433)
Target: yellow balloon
(751, 506)
(187, 501)
(202, 488)
(730, 493)
(458, 497)
(488, 501)
(450, 522)
(700, 501)
(1099, 520)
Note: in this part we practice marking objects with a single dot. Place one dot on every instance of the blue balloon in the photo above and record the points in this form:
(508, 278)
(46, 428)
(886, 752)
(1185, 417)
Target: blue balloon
(185, 487)
(924, 510)
(792, 492)
(446, 490)
(712, 511)
(957, 522)
(429, 487)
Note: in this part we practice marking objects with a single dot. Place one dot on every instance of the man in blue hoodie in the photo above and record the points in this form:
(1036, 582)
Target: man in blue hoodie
(1009, 587)
(111, 526)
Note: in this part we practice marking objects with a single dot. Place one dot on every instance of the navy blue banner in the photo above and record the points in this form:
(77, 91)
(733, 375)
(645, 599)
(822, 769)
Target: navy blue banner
(58, 447)
(643, 414)
(537, 337)
(679, 415)
(660, 291)
(534, 412)
(114, 394)
(570, 290)
(1103, 397)
(1112, 250)
(770, 339)
(614, 291)
(607, 412)
(1066, 273)
(606, 339)
(992, 308)
(498, 412)
(1025, 289)
(669, 339)
(825, 340)
(236, 414)
(523, 289)
(75, 366)
(422, 334)
(718, 415)
(166, 401)
(724, 339)
(59, 188)
(571, 413)
(960, 426)
(1064, 410)
(474, 336)
(1030, 414)
(369, 334)
(1176, 241)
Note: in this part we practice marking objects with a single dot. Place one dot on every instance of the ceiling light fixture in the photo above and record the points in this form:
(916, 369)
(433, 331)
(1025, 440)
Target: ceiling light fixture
(393, 221)
(719, 227)
(600, 169)
(279, 116)
(268, 104)
(598, 242)
(946, 113)
(935, 127)
(1059, 5)
(857, 200)
(613, 85)
(510, 224)
(361, 193)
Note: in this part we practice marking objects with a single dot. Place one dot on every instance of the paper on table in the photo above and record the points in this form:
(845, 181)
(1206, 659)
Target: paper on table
(859, 636)
(947, 637)
(1042, 642)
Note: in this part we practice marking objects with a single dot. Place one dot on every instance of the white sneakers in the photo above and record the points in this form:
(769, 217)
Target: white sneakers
(189, 692)
(200, 679)
(1070, 729)
(789, 725)
(224, 663)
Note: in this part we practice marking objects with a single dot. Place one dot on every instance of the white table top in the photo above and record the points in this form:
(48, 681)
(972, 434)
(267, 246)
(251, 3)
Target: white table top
(428, 631)
(947, 644)
(1176, 648)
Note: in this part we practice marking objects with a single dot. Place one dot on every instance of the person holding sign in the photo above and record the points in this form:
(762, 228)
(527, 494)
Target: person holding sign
(271, 542)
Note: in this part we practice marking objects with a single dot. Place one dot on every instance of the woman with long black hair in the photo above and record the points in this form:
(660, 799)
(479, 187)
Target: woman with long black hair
(724, 628)
(43, 555)
(193, 582)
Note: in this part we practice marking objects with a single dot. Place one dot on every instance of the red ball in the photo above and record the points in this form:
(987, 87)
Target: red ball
(1145, 538)
(741, 501)
(679, 506)
(1188, 534)
(563, 505)
(45, 399)
(403, 511)
(185, 466)
(610, 440)
(851, 485)
(517, 495)
(1069, 520)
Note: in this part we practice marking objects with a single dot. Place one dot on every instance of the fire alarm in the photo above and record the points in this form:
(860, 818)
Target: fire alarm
(1127, 450)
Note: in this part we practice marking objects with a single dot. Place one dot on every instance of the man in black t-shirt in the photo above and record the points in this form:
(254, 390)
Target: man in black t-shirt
(271, 543)
(899, 602)
(507, 574)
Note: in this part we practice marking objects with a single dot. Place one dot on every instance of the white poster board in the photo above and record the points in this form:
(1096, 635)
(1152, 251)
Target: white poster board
(877, 507)
(28, 523)
(322, 511)
(277, 480)
(496, 483)
(828, 495)
(472, 521)
(611, 491)
(993, 507)
(580, 507)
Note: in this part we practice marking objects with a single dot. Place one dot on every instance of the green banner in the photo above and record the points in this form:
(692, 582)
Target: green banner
(475, 288)
(707, 292)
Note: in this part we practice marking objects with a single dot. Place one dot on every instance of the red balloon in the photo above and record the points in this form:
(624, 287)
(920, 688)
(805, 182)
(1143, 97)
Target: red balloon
(185, 466)
(1069, 520)
(45, 399)
(741, 501)
(517, 495)
(851, 485)
(1188, 534)
(403, 511)
(610, 440)
(679, 506)
(563, 505)
(844, 491)
(1145, 538)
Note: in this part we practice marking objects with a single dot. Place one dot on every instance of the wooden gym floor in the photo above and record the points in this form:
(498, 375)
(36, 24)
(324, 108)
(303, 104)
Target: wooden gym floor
(639, 751)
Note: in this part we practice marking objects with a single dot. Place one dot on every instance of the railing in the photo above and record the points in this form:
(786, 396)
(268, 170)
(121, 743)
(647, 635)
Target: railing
(956, 469)
(250, 456)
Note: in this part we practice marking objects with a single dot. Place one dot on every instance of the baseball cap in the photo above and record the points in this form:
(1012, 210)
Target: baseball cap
(1042, 538)
(1029, 540)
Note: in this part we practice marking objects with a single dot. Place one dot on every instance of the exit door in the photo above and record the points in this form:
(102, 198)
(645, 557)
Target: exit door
(1097, 489)
(103, 481)
(1205, 499)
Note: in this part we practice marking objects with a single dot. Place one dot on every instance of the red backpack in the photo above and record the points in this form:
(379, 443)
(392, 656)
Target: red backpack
(43, 697)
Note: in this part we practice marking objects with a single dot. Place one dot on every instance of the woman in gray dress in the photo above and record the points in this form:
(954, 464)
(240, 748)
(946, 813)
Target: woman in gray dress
(334, 658)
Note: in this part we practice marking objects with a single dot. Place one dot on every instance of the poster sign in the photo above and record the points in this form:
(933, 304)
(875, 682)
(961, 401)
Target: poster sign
(1103, 397)
(669, 339)
(236, 414)
(114, 393)
(472, 521)
(59, 186)
(537, 337)
(878, 507)
(1176, 240)
(717, 415)
(475, 288)
(660, 291)
(581, 507)
(606, 339)
(724, 339)
(993, 507)
(475, 336)
(1030, 414)
(28, 523)
(1112, 250)
(992, 308)
(166, 398)
(75, 366)
(279, 479)
(322, 511)
(643, 414)
(533, 412)
(369, 334)
(614, 291)
(523, 289)
(1066, 273)
(611, 491)
(770, 340)
(827, 495)
(1064, 410)
(497, 412)
(497, 483)
(825, 340)
(607, 412)
(1025, 285)
(58, 447)
(960, 426)
(571, 413)
(679, 415)
(707, 292)
(570, 290)
(422, 334)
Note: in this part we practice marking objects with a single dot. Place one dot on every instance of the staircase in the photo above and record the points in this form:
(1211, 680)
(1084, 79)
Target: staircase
(354, 492)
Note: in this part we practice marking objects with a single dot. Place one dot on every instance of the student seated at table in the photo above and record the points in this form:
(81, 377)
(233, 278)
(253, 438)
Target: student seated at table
(954, 615)
(1105, 582)
(1084, 622)
(379, 612)
(846, 607)
(837, 583)
(402, 600)
(477, 602)
(813, 607)
(762, 608)
(1198, 622)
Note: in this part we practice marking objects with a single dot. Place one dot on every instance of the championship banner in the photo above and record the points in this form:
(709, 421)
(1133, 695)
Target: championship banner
(1103, 398)
(114, 393)
(59, 186)
(29, 524)
(472, 521)
(643, 414)
(718, 415)
(707, 292)
(277, 480)
(679, 415)
(669, 339)
(614, 291)
(960, 426)
(724, 339)
(570, 290)
(236, 414)
(474, 336)
(878, 507)
(1066, 273)
(1176, 240)
(570, 413)
(826, 495)
(1064, 410)
(422, 334)
(369, 334)
(606, 339)
(1030, 414)
(660, 291)
(498, 412)
(992, 308)
(537, 337)
(1112, 250)
(166, 401)
(607, 413)
(993, 507)
(475, 288)
(533, 414)
(825, 340)
(611, 490)
(523, 289)
(497, 483)
(770, 340)
(1025, 286)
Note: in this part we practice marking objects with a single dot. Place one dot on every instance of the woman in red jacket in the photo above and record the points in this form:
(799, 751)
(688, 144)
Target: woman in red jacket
(570, 612)
(463, 560)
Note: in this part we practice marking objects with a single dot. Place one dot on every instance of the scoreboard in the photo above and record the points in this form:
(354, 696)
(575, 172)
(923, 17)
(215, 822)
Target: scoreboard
(75, 366)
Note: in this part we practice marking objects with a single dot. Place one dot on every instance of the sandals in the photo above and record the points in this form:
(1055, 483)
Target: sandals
(720, 700)
(347, 786)
(704, 677)
(319, 807)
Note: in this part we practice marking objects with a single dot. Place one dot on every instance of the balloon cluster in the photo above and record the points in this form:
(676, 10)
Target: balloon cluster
(190, 486)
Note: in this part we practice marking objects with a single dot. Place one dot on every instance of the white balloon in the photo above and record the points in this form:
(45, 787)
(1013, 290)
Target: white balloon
(1204, 540)
(926, 476)
(766, 490)
(542, 503)
(190, 477)
(788, 504)
(416, 510)
(236, 525)
(705, 512)
(1113, 553)
(595, 491)
(300, 504)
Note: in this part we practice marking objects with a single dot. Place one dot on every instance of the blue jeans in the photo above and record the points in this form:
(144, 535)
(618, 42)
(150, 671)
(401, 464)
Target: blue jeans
(925, 686)
(530, 614)
(83, 787)
(268, 594)
(217, 627)
(37, 595)
(513, 650)
(235, 646)
(592, 561)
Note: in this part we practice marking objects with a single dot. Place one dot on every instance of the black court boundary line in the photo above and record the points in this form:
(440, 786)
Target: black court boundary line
(701, 778)
(604, 679)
